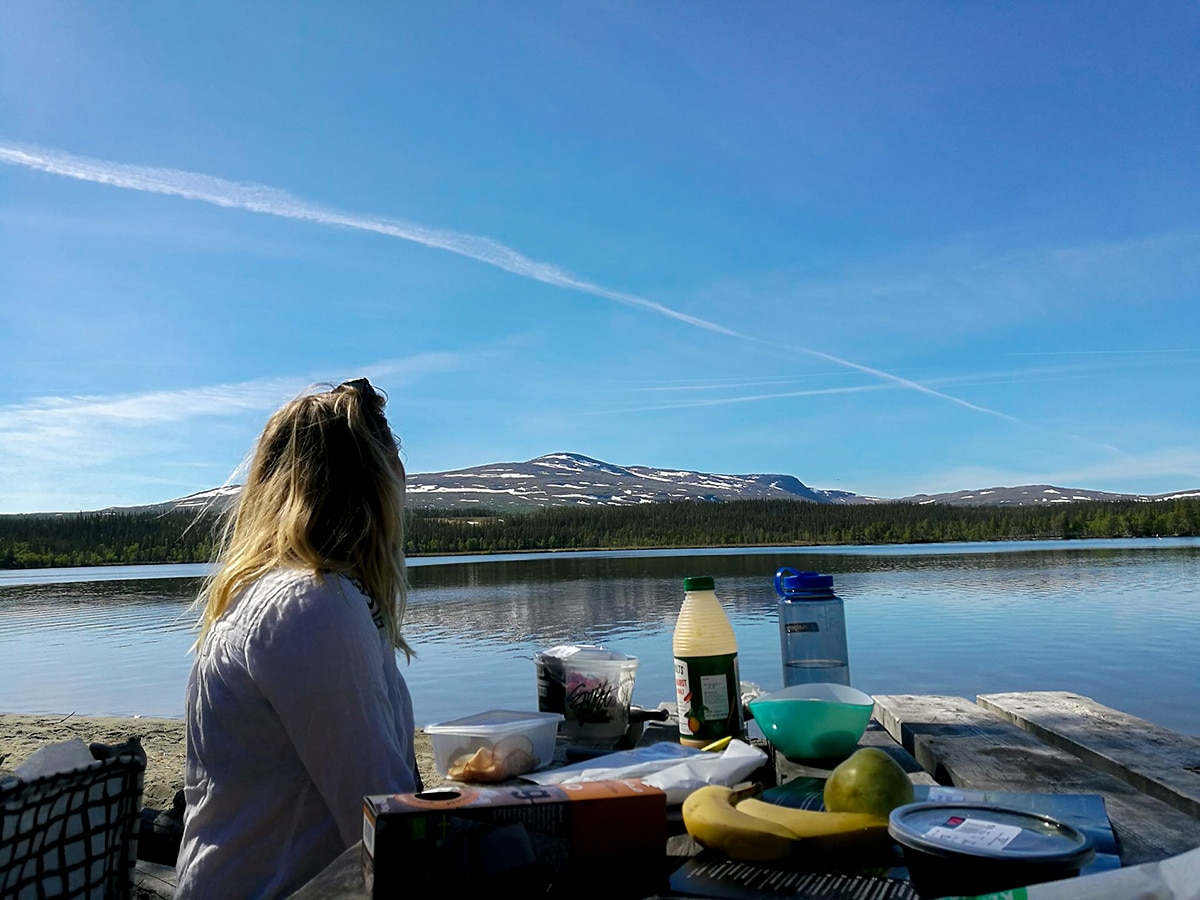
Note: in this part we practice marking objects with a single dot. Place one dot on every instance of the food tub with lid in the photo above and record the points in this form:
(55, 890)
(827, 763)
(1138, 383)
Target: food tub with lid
(978, 848)
(495, 745)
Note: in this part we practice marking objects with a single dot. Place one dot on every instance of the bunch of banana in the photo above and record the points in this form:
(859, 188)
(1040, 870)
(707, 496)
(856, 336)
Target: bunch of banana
(721, 819)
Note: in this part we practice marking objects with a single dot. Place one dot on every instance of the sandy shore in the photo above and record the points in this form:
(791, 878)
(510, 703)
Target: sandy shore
(162, 739)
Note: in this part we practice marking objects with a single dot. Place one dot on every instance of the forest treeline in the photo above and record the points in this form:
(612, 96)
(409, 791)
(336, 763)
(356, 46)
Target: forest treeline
(112, 538)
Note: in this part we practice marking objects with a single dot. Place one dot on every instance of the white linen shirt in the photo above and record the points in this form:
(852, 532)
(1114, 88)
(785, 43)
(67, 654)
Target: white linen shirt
(295, 710)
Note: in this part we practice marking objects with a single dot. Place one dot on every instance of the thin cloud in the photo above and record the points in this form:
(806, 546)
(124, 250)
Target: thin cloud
(1158, 463)
(271, 201)
(61, 432)
(967, 289)
(70, 417)
(53, 445)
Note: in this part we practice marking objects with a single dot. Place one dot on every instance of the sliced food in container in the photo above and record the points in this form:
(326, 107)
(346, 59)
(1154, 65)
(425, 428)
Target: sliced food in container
(495, 745)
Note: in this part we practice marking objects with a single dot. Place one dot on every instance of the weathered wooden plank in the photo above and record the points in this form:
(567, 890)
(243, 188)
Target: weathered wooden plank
(1155, 760)
(153, 882)
(964, 745)
(905, 716)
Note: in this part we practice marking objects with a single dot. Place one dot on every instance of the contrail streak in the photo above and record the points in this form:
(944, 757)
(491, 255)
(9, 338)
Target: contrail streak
(978, 378)
(726, 401)
(273, 202)
(269, 201)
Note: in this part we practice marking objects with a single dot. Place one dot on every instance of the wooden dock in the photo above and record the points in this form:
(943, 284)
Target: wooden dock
(1043, 742)
(1054, 742)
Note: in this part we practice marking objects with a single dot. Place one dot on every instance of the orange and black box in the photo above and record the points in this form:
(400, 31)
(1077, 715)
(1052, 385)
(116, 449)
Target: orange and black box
(598, 838)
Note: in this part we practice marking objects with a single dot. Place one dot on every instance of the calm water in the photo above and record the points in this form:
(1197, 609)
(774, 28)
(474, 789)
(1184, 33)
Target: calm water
(1115, 620)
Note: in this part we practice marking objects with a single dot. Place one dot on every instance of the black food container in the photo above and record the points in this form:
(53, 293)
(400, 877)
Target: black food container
(976, 848)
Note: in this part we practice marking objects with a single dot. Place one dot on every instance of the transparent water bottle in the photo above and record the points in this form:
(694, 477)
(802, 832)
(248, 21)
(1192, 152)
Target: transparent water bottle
(812, 629)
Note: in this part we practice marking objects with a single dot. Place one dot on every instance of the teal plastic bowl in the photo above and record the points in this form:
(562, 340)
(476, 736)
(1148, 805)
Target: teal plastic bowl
(813, 721)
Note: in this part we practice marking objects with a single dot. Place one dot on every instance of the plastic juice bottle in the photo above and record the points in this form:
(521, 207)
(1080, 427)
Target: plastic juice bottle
(706, 667)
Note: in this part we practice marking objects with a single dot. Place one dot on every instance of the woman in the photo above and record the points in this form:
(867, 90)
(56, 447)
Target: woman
(295, 706)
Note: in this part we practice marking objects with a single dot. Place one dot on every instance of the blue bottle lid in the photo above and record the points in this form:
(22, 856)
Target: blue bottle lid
(789, 581)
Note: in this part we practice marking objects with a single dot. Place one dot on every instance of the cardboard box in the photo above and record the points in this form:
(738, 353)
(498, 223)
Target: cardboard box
(597, 836)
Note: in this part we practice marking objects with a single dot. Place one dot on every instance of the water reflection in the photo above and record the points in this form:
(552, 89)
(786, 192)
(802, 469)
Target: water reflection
(960, 623)
(1117, 621)
(104, 648)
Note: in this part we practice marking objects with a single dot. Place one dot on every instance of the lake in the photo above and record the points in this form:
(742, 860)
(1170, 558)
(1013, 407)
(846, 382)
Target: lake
(1118, 621)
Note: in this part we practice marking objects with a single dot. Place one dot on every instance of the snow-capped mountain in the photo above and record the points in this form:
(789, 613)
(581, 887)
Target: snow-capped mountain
(559, 479)
(218, 497)
(570, 479)
(1034, 495)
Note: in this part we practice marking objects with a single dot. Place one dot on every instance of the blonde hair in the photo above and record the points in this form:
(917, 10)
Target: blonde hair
(325, 494)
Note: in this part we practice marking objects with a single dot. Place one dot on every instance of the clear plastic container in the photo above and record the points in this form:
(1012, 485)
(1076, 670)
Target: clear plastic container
(812, 629)
(707, 688)
(494, 745)
(552, 677)
(592, 687)
(598, 694)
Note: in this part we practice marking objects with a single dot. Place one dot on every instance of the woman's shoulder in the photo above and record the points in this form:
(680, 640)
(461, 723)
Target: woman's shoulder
(284, 582)
(285, 594)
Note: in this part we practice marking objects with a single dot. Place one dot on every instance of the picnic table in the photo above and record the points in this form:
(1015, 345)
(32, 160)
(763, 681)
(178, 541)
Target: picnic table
(1038, 742)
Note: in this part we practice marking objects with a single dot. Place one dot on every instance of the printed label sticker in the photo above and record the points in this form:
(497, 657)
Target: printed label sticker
(977, 834)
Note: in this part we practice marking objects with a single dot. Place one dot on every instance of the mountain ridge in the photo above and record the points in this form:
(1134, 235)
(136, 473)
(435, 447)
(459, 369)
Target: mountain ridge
(572, 479)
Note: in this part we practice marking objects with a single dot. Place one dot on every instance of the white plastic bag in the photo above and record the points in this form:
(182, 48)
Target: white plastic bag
(635, 763)
(52, 759)
(1176, 878)
(668, 766)
(733, 766)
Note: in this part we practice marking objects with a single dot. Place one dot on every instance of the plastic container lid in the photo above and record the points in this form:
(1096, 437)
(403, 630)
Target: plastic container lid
(493, 721)
(987, 832)
(699, 583)
(789, 581)
(580, 653)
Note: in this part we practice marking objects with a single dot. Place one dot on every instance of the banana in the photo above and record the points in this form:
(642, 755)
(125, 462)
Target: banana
(720, 819)
(713, 821)
(823, 832)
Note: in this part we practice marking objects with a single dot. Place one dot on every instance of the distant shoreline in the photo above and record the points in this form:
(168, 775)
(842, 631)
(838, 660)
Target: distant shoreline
(682, 549)
(177, 538)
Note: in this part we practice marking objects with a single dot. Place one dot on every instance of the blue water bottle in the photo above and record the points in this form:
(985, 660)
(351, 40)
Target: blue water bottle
(812, 629)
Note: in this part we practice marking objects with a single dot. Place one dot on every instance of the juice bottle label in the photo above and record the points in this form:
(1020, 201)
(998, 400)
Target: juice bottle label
(709, 697)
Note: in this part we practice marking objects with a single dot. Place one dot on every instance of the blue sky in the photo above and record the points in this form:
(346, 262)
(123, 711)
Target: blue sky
(884, 247)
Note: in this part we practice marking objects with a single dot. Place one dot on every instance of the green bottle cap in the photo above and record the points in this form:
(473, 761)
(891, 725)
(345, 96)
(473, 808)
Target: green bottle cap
(699, 583)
